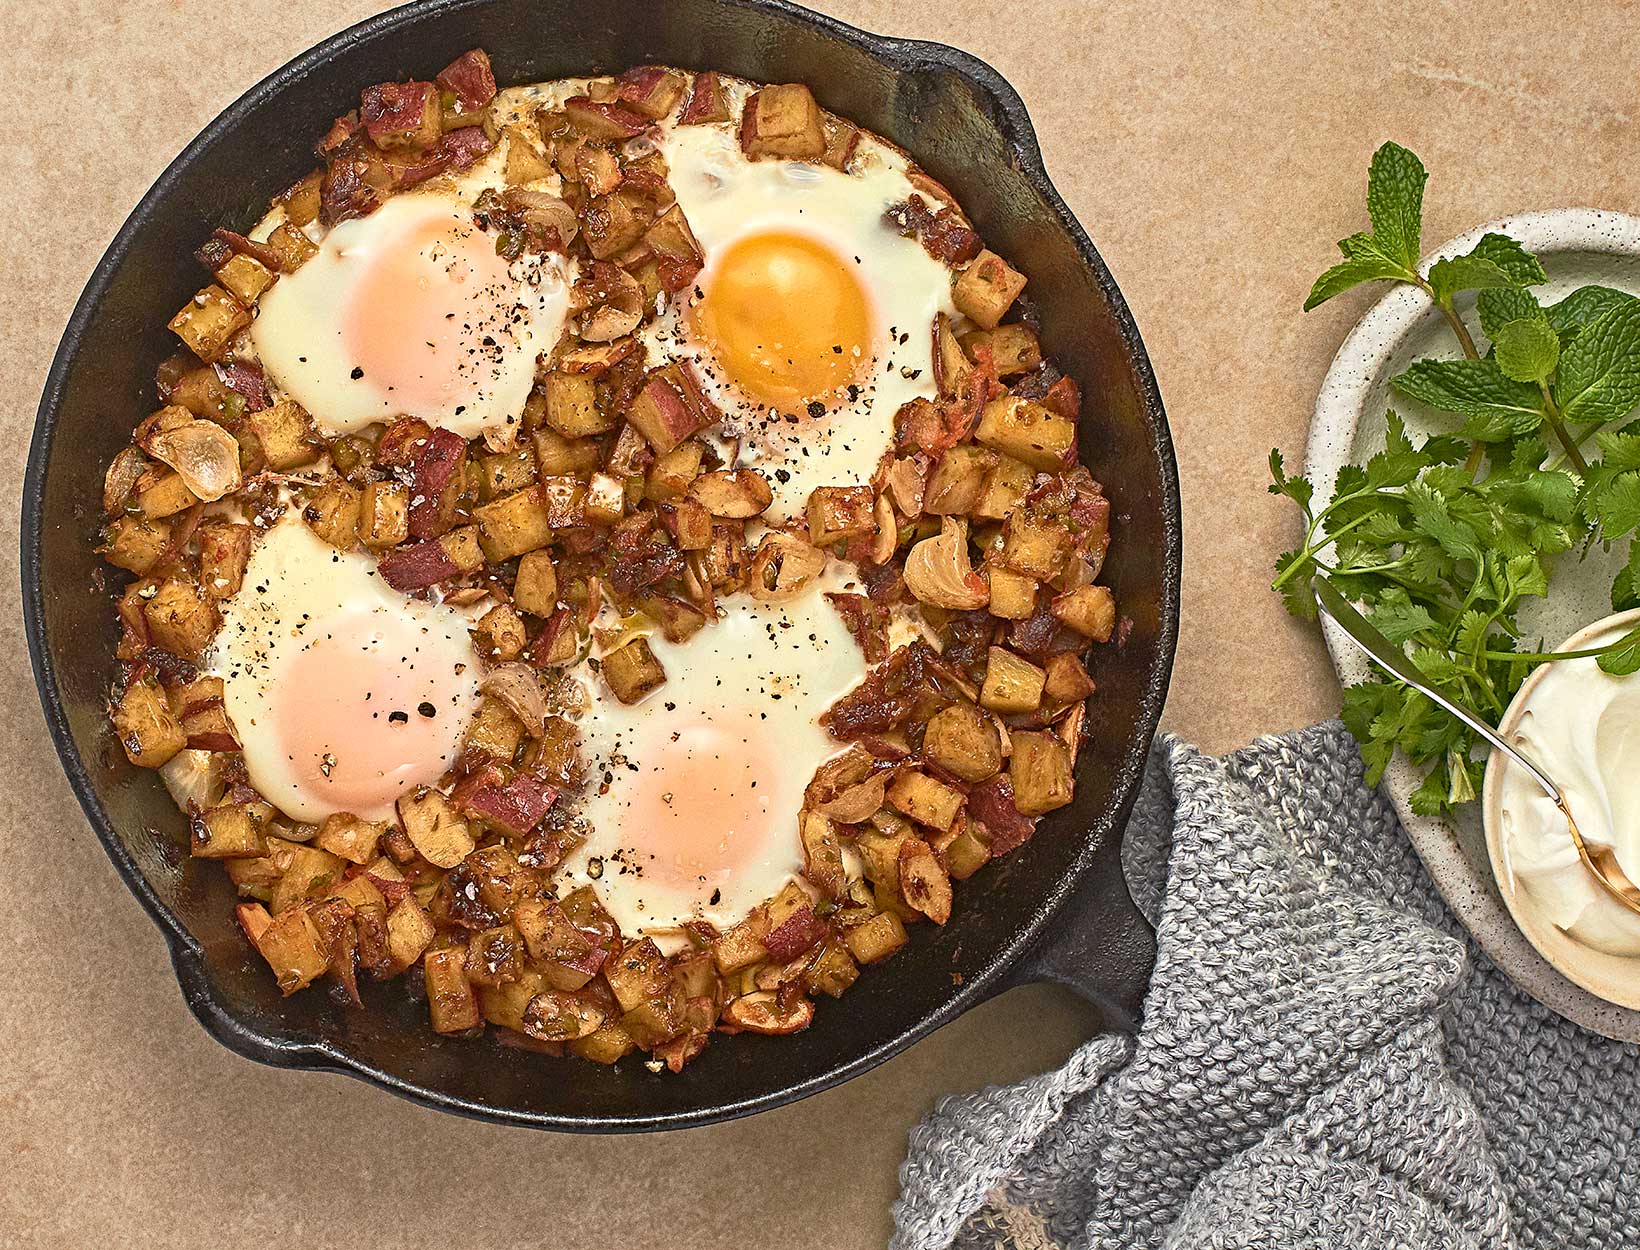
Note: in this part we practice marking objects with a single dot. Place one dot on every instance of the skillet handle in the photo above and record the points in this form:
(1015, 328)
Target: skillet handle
(1100, 946)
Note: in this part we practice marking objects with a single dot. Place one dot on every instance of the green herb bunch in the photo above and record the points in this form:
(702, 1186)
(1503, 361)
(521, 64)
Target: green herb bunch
(1441, 540)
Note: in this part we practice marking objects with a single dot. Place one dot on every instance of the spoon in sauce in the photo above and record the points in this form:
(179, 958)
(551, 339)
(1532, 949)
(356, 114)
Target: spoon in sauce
(1599, 860)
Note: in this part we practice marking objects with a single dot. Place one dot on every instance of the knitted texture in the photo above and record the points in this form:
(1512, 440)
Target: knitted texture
(1325, 1059)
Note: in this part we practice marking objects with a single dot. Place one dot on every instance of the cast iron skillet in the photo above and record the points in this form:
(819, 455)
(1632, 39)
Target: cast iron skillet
(970, 130)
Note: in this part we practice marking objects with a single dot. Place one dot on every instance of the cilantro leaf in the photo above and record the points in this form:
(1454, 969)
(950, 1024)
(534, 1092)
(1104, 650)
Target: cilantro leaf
(1395, 202)
(1399, 462)
(1616, 505)
(1624, 656)
(1527, 349)
(1620, 449)
(1398, 618)
(1599, 378)
(1626, 586)
(1297, 488)
(1474, 388)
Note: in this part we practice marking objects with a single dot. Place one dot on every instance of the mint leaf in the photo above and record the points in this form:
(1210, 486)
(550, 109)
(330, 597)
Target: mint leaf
(1501, 305)
(1586, 304)
(1497, 261)
(1624, 657)
(1395, 202)
(1526, 349)
(1522, 268)
(1501, 406)
(1352, 273)
(1599, 376)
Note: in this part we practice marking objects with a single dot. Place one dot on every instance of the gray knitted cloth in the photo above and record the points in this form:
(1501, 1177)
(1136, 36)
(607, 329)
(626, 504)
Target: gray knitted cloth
(1325, 1060)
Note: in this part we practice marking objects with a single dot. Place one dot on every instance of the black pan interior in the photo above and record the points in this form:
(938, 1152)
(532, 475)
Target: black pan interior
(968, 128)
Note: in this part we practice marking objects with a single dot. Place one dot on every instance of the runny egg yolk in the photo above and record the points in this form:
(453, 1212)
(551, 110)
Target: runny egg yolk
(428, 319)
(698, 803)
(786, 319)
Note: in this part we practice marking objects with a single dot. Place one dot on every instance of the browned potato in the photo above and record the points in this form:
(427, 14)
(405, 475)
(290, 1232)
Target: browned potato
(572, 406)
(923, 881)
(135, 543)
(290, 944)
(1037, 546)
(434, 828)
(557, 456)
(783, 121)
(500, 633)
(605, 499)
(732, 494)
(345, 835)
(1068, 680)
(536, 589)
(987, 289)
(231, 831)
(1013, 595)
(146, 727)
(839, 513)
(966, 854)
(464, 546)
(286, 434)
(633, 671)
(409, 932)
(518, 523)
(1012, 685)
(333, 514)
(823, 854)
(245, 278)
(1027, 431)
(925, 800)
(958, 480)
(1089, 610)
(1014, 348)
(1040, 768)
(181, 619)
(293, 247)
(209, 320)
(451, 1003)
(876, 939)
(963, 740)
(524, 162)
(224, 551)
(384, 515)
(670, 475)
(1005, 489)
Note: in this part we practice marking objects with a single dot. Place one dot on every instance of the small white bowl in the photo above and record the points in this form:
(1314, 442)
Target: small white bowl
(1615, 978)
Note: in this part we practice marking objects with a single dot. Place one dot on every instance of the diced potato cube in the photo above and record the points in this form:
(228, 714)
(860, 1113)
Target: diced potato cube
(610, 224)
(1040, 768)
(135, 542)
(293, 246)
(923, 881)
(734, 494)
(345, 835)
(536, 588)
(1027, 431)
(966, 855)
(823, 854)
(572, 406)
(245, 277)
(525, 163)
(1005, 489)
(302, 198)
(958, 480)
(165, 495)
(146, 727)
(291, 945)
(689, 524)
(670, 475)
(556, 1016)
(511, 526)
(230, 831)
(451, 1003)
(495, 956)
(783, 121)
(1014, 348)
(557, 456)
(333, 514)
(384, 514)
(964, 741)
(506, 472)
(1089, 610)
(401, 115)
(181, 619)
(608, 1043)
(1037, 546)
(286, 435)
(434, 827)
(1012, 685)
(1068, 680)
(876, 939)
(637, 973)
(987, 289)
(660, 414)
(880, 856)
(605, 499)
(209, 320)
(464, 548)
(740, 947)
(224, 551)
(409, 931)
(926, 800)
(839, 513)
(495, 731)
(633, 671)
(500, 633)
(842, 138)
(1013, 595)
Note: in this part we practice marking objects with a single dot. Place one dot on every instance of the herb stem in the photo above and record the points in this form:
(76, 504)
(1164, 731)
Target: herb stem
(1551, 414)
(1546, 657)
(1465, 341)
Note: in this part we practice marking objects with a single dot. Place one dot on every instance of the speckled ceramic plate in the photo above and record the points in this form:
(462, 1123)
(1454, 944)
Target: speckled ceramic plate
(1577, 247)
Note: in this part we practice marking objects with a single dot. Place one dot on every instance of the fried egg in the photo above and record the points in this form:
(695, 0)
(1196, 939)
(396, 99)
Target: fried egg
(694, 792)
(343, 692)
(410, 311)
(810, 324)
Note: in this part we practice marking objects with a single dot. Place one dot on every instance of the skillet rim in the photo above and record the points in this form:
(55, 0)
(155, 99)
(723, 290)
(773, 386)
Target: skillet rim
(1007, 113)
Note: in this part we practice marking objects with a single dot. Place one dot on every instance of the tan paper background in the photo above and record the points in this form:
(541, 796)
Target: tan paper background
(1213, 149)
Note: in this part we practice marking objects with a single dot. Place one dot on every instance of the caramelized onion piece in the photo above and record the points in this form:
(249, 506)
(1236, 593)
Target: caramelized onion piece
(194, 778)
(121, 478)
(543, 213)
(515, 685)
(858, 802)
(937, 571)
(204, 455)
(782, 566)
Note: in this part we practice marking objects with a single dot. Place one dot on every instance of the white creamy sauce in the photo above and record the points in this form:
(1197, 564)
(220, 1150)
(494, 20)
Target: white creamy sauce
(1582, 726)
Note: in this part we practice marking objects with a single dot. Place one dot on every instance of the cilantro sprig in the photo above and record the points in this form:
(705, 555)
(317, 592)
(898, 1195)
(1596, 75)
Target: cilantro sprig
(1442, 540)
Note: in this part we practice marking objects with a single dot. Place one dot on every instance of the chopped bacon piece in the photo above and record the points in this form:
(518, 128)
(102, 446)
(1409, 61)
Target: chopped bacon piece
(992, 804)
(417, 566)
(866, 621)
(401, 442)
(518, 806)
(603, 120)
(799, 932)
(435, 469)
(454, 152)
(348, 190)
(889, 695)
(246, 381)
(676, 273)
(470, 79)
(942, 232)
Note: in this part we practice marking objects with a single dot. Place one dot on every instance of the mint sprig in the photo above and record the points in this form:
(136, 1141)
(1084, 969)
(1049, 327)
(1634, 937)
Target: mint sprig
(1442, 541)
